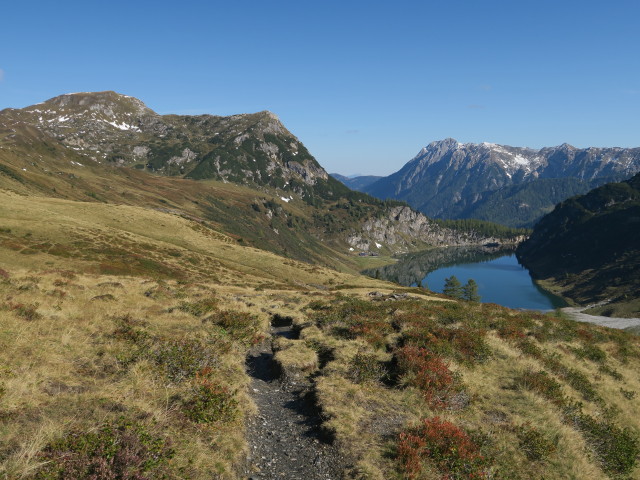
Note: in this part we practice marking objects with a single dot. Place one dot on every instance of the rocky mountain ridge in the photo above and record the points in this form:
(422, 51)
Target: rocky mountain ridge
(448, 179)
(107, 127)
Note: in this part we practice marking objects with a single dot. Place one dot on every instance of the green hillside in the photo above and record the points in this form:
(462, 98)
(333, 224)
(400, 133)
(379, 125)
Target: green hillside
(589, 248)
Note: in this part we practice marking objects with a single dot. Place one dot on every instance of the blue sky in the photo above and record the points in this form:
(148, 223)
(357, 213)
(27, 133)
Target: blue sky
(364, 84)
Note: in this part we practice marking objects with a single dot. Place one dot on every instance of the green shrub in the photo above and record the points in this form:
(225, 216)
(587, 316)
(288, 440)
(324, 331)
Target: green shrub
(617, 447)
(365, 367)
(241, 326)
(534, 444)
(199, 308)
(27, 311)
(124, 450)
(542, 383)
(590, 352)
(211, 403)
(182, 359)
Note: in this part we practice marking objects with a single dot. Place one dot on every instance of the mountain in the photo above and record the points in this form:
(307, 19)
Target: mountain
(246, 175)
(589, 248)
(106, 127)
(358, 183)
(510, 185)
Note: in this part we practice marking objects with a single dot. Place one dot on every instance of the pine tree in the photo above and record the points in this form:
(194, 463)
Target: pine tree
(470, 291)
(452, 287)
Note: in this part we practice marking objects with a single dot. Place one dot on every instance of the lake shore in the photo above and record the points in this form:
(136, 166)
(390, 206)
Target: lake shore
(576, 313)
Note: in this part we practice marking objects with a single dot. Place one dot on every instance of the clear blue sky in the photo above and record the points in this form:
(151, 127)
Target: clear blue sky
(364, 84)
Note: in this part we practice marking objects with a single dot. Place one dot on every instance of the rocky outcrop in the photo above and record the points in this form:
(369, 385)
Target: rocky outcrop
(402, 227)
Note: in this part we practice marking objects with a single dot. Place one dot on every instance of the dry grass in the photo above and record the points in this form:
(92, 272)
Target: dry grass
(510, 423)
(77, 367)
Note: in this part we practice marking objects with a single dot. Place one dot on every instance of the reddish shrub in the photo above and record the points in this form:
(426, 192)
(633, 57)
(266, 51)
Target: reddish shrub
(444, 444)
(510, 331)
(429, 373)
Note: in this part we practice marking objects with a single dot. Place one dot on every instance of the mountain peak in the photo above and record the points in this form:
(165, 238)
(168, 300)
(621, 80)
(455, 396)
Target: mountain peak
(95, 100)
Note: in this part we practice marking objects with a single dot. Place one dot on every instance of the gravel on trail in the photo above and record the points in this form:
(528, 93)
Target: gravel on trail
(285, 439)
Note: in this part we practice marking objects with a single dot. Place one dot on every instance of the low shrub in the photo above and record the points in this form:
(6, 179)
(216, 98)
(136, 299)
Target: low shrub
(449, 448)
(616, 447)
(130, 329)
(241, 326)
(463, 344)
(590, 352)
(210, 403)
(124, 450)
(429, 373)
(365, 367)
(534, 444)
(182, 359)
(612, 372)
(28, 312)
(200, 307)
(542, 383)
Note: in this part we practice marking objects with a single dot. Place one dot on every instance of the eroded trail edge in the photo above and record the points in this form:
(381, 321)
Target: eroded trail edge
(285, 439)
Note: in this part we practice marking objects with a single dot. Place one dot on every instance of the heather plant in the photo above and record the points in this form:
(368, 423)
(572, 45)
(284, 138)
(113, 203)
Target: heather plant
(124, 450)
(444, 445)
(616, 447)
(210, 402)
(543, 384)
(182, 359)
(429, 373)
(533, 443)
(200, 307)
(241, 326)
(28, 312)
(365, 367)
(464, 344)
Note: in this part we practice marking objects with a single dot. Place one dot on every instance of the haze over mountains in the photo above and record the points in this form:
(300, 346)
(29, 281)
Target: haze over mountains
(514, 186)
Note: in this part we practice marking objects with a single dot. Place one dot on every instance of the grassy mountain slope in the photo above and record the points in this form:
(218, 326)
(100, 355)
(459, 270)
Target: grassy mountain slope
(588, 247)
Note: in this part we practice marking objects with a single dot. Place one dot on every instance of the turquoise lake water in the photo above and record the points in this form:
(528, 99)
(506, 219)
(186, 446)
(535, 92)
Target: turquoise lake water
(501, 280)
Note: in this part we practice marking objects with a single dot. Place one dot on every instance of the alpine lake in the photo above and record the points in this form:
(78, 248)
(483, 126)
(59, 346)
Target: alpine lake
(500, 278)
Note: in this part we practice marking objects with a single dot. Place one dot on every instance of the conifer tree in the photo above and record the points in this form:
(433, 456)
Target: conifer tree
(470, 291)
(452, 287)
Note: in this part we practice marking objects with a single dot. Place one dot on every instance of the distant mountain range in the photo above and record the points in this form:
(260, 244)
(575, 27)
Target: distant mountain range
(358, 182)
(514, 186)
(589, 248)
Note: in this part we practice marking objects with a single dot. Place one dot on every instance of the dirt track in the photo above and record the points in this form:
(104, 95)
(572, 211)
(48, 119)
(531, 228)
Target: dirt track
(611, 322)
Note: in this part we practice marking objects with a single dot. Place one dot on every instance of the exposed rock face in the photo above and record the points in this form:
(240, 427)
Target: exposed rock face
(449, 179)
(402, 226)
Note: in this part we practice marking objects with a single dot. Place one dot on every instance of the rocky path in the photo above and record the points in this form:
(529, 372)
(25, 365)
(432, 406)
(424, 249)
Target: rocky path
(284, 437)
